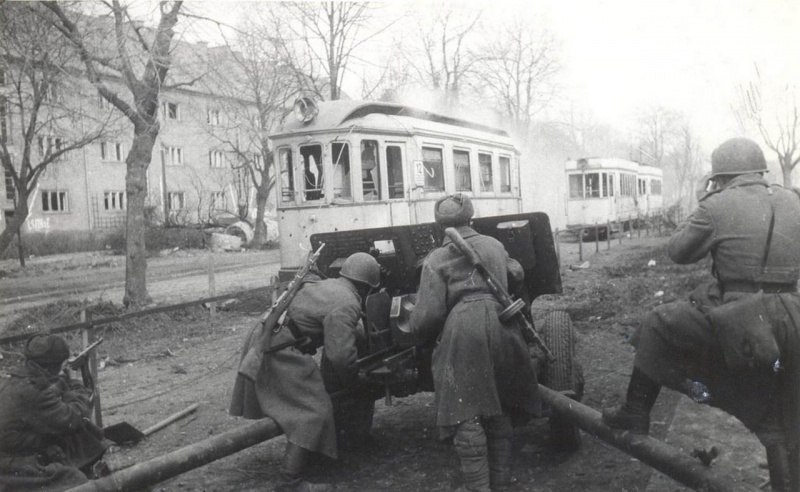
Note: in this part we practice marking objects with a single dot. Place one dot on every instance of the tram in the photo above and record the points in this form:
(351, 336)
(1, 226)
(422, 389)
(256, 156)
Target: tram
(611, 191)
(351, 165)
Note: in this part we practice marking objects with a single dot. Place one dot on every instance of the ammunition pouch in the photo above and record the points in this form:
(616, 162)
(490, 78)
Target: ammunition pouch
(744, 330)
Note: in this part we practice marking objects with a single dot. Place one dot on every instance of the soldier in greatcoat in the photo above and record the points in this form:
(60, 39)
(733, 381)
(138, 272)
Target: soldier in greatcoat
(483, 375)
(289, 387)
(752, 231)
(46, 439)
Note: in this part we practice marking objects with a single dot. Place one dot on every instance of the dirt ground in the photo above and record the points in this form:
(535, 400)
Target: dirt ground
(156, 366)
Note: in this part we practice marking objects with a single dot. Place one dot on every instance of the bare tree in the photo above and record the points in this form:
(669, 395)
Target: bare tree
(777, 121)
(319, 40)
(148, 52)
(658, 127)
(444, 57)
(42, 120)
(517, 69)
(685, 163)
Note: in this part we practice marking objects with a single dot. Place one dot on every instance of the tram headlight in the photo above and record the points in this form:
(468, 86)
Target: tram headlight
(305, 109)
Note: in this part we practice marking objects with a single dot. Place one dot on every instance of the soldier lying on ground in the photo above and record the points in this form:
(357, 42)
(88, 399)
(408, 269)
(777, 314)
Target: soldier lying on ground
(47, 441)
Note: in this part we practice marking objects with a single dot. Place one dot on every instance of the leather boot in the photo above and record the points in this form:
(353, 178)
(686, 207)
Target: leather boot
(470, 445)
(499, 434)
(294, 462)
(634, 414)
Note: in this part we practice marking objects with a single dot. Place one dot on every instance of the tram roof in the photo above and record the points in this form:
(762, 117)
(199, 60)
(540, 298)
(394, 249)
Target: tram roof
(609, 163)
(389, 116)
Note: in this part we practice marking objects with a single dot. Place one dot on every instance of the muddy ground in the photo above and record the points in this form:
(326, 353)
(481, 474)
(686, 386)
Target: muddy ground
(156, 366)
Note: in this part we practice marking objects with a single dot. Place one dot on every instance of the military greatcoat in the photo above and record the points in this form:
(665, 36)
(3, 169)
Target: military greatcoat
(44, 433)
(677, 343)
(289, 387)
(481, 367)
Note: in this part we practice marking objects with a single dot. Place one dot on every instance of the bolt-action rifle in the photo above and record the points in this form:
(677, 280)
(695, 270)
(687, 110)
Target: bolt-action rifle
(269, 320)
(80, 362)
(513, 308)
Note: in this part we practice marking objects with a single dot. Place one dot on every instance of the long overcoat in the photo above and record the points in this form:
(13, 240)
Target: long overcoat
(676, 342)
(44, 434)
(289, 387)
(481, 367)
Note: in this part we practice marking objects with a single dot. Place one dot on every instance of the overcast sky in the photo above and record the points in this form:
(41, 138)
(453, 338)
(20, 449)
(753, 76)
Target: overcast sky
(622, 55)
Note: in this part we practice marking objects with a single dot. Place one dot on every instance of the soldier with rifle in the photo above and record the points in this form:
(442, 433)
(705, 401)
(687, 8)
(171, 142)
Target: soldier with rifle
(484, 379)
(285, 383)
(735, 343)
(47, 441)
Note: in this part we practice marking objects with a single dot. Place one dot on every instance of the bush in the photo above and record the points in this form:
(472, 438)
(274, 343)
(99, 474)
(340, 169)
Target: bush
(58, 242)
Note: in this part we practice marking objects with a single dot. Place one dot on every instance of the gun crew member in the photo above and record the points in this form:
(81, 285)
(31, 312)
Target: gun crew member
(483, 375)
(289, 387)
(46, 439)
(737, 335)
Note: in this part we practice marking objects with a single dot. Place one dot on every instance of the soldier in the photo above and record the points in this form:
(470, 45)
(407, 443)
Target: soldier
(483, 375)
(46, 439)
(752, 231)
(290, 387)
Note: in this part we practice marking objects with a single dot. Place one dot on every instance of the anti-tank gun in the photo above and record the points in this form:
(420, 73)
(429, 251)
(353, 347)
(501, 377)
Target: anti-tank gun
(393, 363)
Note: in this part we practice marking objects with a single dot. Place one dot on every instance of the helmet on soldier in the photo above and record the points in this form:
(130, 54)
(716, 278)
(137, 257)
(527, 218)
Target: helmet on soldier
(737, 156)
(453, 210)
(362, 267)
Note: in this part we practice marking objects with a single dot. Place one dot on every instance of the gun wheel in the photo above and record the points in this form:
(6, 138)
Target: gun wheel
(562, 374)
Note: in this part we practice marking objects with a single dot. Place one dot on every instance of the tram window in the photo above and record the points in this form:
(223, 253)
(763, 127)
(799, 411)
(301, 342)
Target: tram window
(627, 186)
(313, 177)
(655, 186)
(609, 179)
(485, 163)
(341, 171)
(576, 186)
(370, 180)
(394, 168)
(592, 183)
(434, 174)
(287, 177)
(642, 187)
(463, 176)
(505, 174)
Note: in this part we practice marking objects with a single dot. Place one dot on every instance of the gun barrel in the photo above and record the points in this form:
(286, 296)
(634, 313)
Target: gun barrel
(77, 361)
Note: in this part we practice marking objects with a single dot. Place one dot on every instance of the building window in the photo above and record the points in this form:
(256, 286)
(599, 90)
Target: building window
(485, 164)
(114, 200)
(170, 110)
(313, 176)
(217, 158)
(370, 170)
(54, 201)
(286, 174)
(433, 169)
(48, 145)
(463, 176)
(175, 200)
(217, 201)
(51, 92)
(112, 151)
(172, 156)
(2, 77)
(11, 191)
(258, 160)
(394, 169)
(655, 186)
(3, 120)
(212, 116)
(341, 171)
(505, 174)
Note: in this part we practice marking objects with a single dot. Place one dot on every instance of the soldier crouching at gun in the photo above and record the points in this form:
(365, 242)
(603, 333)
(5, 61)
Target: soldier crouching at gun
(279, 378)
(483, 375)
(47, 441)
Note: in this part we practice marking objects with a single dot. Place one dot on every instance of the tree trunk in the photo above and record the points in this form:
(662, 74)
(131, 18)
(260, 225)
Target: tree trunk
(787, 169)
(21, 212)
(138, 160)
(260, 233)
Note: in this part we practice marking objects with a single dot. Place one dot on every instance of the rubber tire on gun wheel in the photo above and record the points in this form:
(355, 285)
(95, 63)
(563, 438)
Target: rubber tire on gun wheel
(562, 374)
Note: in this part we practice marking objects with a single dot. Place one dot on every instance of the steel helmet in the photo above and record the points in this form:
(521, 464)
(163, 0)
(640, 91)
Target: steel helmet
(362, 267)
(453, 210)
(737, 156)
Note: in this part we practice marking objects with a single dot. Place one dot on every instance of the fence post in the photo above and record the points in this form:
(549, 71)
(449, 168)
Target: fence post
(638, 225)
(596, 238)
(660, 220)
(647, 222)
(580, 245)
(212, 283)
(87, 338)
(558, 248)
(608, 234)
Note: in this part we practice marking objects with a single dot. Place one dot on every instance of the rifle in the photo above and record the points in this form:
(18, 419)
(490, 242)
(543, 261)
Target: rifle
(79, 362)
(513, 308)
(269, 320)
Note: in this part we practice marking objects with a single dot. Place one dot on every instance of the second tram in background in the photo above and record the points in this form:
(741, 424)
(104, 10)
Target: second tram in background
(611, 191)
